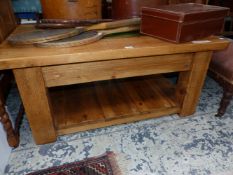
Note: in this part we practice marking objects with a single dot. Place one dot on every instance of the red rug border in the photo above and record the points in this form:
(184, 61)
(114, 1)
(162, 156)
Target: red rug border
(111, 156)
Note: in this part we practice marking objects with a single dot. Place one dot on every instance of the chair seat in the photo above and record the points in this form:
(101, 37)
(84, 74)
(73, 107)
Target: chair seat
(222, 63)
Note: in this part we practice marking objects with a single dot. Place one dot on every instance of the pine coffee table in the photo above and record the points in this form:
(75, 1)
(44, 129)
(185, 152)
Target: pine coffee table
(113, 81)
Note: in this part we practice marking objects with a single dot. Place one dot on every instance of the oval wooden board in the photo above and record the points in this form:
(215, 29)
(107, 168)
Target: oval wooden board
(87, 37)
(75, 22)
(77, 40)
(40, 36)
(54, 26)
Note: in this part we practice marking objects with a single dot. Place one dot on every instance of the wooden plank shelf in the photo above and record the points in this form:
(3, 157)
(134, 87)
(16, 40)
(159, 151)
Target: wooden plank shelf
(99, 104)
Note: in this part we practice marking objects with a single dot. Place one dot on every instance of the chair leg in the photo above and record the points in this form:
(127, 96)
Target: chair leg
(12, 138)
(225, 101)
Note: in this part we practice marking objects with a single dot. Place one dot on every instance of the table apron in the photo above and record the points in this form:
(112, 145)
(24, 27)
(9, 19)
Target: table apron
(114, 69)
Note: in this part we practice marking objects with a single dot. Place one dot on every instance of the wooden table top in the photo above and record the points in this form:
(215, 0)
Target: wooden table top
(106, 49)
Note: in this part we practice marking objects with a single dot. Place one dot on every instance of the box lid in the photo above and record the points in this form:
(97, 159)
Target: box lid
(186, 12)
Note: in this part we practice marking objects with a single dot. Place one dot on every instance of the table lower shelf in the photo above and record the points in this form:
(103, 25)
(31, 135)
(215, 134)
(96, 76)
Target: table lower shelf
(100, 104)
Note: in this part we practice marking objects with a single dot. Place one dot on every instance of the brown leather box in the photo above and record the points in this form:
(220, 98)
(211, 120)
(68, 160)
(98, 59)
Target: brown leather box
(183, 22)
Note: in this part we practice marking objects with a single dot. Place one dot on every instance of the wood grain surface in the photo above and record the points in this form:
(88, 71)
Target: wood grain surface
(58, 23)
(40, 36)
(106, 49)
(87, 37)
(190, 83)
(66, 109)
(46, 35)
(114, 69)
(94, 105)
(37, 104)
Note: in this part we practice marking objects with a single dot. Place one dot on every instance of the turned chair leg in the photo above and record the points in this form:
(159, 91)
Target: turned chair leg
(225, 101)
(12, 137)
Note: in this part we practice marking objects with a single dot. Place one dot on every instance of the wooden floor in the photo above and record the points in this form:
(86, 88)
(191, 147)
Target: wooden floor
(92, 105)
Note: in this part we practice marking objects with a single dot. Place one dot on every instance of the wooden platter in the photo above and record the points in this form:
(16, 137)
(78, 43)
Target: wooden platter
(86, 37)
(40, 36)
(61, 24)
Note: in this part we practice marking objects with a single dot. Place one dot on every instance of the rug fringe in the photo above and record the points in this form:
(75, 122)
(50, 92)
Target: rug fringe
(114, 164)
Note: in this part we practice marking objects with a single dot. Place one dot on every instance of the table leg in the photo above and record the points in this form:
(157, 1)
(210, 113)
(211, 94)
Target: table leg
(33, 92)
(190, 83)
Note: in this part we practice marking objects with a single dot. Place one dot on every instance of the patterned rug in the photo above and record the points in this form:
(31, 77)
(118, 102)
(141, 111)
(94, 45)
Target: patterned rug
(200, 144)
(102, 165)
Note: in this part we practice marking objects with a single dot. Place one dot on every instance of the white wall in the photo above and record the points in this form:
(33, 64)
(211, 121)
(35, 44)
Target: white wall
(5, 150)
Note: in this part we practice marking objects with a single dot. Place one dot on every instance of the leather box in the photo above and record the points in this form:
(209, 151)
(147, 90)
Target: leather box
(183, 22)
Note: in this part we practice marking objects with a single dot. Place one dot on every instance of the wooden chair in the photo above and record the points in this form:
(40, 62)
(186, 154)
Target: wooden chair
(11, 133)
(7, 25)
(221, 69)
(7, 19)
